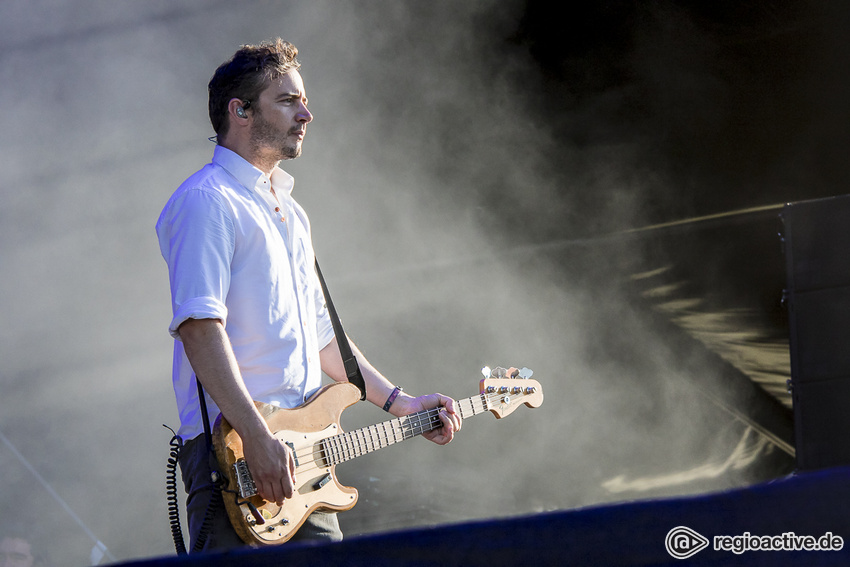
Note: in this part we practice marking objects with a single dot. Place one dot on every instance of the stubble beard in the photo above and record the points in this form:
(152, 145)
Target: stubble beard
(265, 139)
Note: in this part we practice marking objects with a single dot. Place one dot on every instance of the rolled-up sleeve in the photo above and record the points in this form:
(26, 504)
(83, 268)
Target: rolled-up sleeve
(196, 238)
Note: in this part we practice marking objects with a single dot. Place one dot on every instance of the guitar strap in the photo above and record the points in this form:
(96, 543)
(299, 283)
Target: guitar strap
(352, 369)
(205, 414)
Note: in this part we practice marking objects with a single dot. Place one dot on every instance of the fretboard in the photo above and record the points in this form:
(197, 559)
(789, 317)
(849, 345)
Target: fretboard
(346, 446)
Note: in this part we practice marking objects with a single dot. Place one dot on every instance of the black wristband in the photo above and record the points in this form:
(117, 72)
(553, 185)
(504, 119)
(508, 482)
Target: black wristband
(392, 398)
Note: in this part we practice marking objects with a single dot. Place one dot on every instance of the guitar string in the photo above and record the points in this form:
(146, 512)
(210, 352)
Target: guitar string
(356, 443)
(352, 444)
(346, 447)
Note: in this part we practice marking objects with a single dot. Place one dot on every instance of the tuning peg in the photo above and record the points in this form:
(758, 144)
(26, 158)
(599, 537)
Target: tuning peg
(500, 372)
(497, 372)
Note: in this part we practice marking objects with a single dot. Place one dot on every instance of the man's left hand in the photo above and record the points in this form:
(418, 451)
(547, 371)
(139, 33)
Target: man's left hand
(448, 413)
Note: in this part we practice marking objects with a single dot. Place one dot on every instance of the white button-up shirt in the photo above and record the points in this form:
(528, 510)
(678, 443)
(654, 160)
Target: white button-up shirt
(239, 252)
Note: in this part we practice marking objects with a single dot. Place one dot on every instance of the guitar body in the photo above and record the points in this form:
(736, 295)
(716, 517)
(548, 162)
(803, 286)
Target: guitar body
(258, 521)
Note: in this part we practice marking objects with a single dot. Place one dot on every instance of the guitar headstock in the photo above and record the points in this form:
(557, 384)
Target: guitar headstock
(507, 389)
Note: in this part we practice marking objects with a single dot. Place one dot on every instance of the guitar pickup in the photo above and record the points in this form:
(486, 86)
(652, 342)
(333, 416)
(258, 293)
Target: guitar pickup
(322, 481)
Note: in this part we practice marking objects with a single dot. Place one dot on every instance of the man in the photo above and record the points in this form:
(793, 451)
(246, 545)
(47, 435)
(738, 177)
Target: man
(249, 315)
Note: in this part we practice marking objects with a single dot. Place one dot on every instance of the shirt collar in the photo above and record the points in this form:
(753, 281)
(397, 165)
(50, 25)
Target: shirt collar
(250, 176)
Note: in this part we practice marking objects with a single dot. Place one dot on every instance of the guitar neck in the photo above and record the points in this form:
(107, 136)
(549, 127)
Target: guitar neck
(349, 445)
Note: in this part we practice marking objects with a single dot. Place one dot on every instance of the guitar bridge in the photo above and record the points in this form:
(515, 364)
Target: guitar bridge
(244, 480)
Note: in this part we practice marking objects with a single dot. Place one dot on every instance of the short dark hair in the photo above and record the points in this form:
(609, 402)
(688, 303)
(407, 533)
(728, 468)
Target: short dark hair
(246, 74)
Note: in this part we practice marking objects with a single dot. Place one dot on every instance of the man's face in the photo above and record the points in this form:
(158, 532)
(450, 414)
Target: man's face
(280, 118)
(15, 552)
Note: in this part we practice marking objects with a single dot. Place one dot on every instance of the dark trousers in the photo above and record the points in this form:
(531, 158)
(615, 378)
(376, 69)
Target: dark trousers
(195, 469)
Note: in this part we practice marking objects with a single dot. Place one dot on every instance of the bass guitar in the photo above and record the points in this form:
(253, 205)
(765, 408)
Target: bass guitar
(313, 433)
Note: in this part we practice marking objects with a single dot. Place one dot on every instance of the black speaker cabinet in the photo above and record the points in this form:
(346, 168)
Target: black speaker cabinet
(817, 259)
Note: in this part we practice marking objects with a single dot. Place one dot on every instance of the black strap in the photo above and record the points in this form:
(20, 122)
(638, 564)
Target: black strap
(202, 399)
(352, 369)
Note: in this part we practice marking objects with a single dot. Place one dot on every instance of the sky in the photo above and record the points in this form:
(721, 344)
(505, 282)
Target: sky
(469, 174)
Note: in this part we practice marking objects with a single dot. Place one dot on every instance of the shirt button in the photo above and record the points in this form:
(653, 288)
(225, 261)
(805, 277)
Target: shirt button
(277, 209)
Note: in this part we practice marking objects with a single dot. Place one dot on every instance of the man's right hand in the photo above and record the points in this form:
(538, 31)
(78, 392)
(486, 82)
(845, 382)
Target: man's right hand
(270, 461)
(272, 466)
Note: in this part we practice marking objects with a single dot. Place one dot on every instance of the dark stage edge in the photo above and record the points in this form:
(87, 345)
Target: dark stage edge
(808, 504)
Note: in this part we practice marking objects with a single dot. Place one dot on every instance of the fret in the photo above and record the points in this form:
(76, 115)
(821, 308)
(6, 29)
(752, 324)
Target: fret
(376, 433)
(427, 422)
(409, 425)
(385, 435)
(372, 444)
(387, 431)
(330, 455)
(397, 430)
(331, 442)
(323, 452)
(367, 444)
(381, 433)
(357, 435)
(330, 458)
(462, 409)
(340, 457)
(364, 442)
(349, 447)
(340, 446)
(346, 447)
(397, 427)
(340, 449)
(355, 445)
